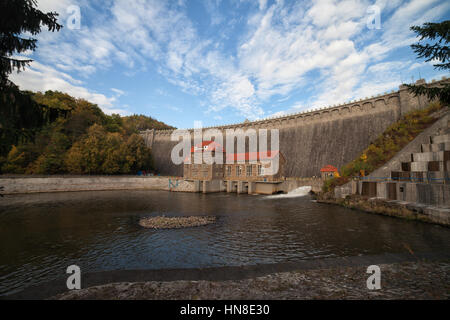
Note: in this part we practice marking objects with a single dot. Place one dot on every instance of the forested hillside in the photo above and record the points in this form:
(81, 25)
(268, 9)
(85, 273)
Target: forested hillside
(54, 133)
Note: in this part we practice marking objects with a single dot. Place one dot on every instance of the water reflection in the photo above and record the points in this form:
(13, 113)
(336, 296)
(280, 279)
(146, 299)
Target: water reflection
(42, 234)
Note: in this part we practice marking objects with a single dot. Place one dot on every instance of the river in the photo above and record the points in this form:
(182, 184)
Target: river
(42, 234)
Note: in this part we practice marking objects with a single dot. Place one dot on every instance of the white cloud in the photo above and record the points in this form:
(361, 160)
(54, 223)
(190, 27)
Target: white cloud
(59, 6)
(262, 4)
(39, 77)
(331, 40)
(324, 47)
(118, 92)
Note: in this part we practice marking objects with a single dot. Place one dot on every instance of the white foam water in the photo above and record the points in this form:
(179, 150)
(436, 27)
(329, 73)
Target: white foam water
(299, 192)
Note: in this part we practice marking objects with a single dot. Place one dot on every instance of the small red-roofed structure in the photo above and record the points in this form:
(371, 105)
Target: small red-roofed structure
(329, 171)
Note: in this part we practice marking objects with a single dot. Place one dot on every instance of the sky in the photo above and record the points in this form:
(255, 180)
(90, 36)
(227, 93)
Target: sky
(222, 62)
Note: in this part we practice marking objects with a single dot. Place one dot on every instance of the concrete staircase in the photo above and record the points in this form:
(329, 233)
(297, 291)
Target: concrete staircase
(416, 178)
(420, 177)
(432, 164)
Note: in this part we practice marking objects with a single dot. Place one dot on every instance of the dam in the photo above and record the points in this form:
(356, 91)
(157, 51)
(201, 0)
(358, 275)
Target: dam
(313, 139)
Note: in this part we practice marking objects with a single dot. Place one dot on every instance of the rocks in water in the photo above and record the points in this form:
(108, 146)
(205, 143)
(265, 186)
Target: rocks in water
(175, 222)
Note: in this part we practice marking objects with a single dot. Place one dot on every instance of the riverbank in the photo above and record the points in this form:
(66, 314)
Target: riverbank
(407, 280)
(384, 207)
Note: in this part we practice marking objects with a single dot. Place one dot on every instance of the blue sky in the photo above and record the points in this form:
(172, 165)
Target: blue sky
(222, 62)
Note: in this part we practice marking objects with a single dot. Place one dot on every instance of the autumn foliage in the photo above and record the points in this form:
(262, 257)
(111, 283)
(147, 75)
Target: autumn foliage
(82, 140)
(380, 151)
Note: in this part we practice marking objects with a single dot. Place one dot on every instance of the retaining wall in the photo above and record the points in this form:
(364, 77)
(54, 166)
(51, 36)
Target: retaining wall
(98, 183)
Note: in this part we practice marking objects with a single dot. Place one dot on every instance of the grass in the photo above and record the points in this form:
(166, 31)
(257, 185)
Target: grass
(391, 141)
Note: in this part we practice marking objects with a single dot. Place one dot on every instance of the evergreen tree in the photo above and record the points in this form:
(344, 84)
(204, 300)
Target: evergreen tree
(438, 35)
(20, 115)
(16, 18)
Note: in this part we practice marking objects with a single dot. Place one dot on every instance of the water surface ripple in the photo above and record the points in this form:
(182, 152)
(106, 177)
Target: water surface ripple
(42, 234)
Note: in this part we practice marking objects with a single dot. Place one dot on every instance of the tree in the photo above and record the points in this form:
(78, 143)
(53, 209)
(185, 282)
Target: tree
(20, 116)
(16, 18)
(439, 33)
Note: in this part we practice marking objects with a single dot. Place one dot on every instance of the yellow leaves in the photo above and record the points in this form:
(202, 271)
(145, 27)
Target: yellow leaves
(396, 136)
(102, 152)
(14, 161)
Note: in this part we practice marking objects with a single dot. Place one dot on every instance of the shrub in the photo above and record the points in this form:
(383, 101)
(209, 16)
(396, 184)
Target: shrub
(391, 141)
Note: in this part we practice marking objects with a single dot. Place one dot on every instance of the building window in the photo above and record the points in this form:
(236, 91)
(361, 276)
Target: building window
(228, 170)
(249, 171)
(260, 170)
(239, 171)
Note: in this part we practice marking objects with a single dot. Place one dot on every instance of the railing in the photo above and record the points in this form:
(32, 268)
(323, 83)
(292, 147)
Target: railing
(401, 179)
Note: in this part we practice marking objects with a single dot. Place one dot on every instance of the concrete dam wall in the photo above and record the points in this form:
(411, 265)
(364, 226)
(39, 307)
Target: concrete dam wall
(311, 140)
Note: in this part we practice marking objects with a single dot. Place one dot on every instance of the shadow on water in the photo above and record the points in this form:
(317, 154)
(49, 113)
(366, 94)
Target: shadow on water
(42, 234)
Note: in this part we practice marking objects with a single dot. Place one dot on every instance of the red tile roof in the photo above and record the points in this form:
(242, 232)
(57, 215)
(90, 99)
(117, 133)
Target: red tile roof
(255, 156)
(211, 146)
(329, 168)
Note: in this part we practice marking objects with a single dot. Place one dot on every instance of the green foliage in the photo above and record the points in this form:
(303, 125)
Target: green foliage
(15, 161)
(394, 138)
(81, 140)
(48, 133)
(106, 152)
(437, 51)
(19, 17)
(330, 184)
(21, 116)
(136, 123)
(439, 32)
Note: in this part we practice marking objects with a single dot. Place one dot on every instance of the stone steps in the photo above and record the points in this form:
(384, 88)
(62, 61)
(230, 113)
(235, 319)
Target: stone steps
(436, 147)
(421, 166)
(440, 139)
(443, 131)
(431, 156)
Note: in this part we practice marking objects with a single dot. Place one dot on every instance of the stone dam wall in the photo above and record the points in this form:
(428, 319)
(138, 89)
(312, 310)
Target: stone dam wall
(313, 139)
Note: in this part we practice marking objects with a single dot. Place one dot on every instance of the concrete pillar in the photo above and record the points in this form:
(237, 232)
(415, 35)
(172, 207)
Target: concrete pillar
(197, 186)
(205, 186)
(354, 186)
(382, 190)
(240, 187)
(251, 187)
(229, 186)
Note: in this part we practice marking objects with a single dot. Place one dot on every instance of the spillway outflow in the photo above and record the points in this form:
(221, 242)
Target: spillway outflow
(299, 192)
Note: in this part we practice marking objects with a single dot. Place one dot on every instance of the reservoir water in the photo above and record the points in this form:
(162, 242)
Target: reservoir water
(42, 234)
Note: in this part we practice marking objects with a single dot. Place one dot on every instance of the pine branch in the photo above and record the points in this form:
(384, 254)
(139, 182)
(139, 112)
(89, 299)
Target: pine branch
(442, 66)
(433, 31)
(441, 93)
(438, 32)
(432, 52)
(18, 17)
(9, 64)
(10, 43)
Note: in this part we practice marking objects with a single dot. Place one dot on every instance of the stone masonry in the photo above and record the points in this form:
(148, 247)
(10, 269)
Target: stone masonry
(313, 139)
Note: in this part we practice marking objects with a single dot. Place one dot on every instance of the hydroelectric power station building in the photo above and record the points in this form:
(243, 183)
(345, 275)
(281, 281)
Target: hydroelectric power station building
(249, 172)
